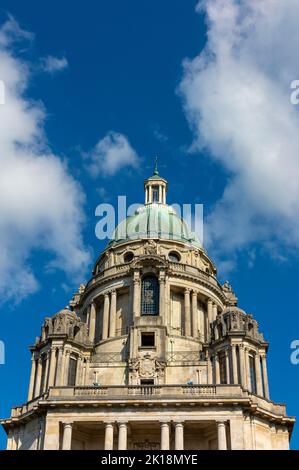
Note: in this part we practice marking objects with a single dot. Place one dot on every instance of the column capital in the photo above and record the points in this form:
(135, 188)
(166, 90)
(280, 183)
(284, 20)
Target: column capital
(67, 424)
(187, 290)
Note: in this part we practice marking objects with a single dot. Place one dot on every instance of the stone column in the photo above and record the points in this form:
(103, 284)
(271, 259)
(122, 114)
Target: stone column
(214, 310)
(59, 366)
(160, 193)
(258, 377)
(122, 436)
(165, 436)
(187, 313)
(247, 372)
(242, 365)
(234, 364)
(210, 370)
(150, 194)
(265, 376)
(136, 295)
(52, 367)
(227, 366)
(179, 436)
(112, 323)
(66, 367)
(79, 371)
(32, 378)
(46, 376)
(162, 297)
(67, 436)
(194, 315)
(108, 436)
(92, 322)
(62, 371)
(221, 432)
(217, 369)
(9, 445)
(105, 317)
(209, 318)
(201, 322)
(38, 378)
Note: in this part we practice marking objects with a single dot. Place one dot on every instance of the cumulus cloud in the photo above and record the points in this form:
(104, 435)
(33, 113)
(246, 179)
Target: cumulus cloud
(53, 64)
(111, 154)
(40, 203)
(236, 96)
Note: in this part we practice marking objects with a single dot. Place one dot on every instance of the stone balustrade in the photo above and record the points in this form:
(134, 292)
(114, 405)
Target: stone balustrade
(180, 393)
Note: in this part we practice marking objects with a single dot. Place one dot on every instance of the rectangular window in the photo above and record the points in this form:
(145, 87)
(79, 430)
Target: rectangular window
(148, 340)
(72, 372)
(252, 374)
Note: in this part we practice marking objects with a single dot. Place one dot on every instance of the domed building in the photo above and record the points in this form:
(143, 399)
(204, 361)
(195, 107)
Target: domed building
(153, 353)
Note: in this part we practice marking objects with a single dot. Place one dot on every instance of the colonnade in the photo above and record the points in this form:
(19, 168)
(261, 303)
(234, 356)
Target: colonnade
(192, 326)
(51, 368)
(165, 435)
(237, 368)
(109, 316)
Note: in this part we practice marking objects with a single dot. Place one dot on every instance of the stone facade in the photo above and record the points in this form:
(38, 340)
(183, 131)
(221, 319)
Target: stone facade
(153, 353)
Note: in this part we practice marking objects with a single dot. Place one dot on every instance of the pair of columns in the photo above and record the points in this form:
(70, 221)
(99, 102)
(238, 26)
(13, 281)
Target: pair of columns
(165, 435)
(191, 314)
(109, 317)
(261, 375)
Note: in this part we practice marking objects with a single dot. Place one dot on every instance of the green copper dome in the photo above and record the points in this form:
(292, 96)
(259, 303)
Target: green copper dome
(155, 221)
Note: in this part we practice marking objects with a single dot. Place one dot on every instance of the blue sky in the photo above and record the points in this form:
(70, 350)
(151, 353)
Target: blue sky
(106, 86)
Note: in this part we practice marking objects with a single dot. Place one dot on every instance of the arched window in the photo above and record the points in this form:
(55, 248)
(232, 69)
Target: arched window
(150, 295)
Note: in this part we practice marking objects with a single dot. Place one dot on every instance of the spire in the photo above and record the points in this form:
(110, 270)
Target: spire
(156, 172)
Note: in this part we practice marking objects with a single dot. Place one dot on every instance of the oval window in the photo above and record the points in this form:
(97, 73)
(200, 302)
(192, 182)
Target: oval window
(128, 257)
(174, 257)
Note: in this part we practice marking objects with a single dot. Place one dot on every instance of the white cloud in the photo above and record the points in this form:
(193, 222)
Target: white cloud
(53, 64)
(40, 202)
(111, 154)
(237, 99)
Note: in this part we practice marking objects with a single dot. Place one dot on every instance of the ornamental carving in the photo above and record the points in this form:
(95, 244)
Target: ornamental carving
(65, 323)
(234, 319)
(146, 367)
